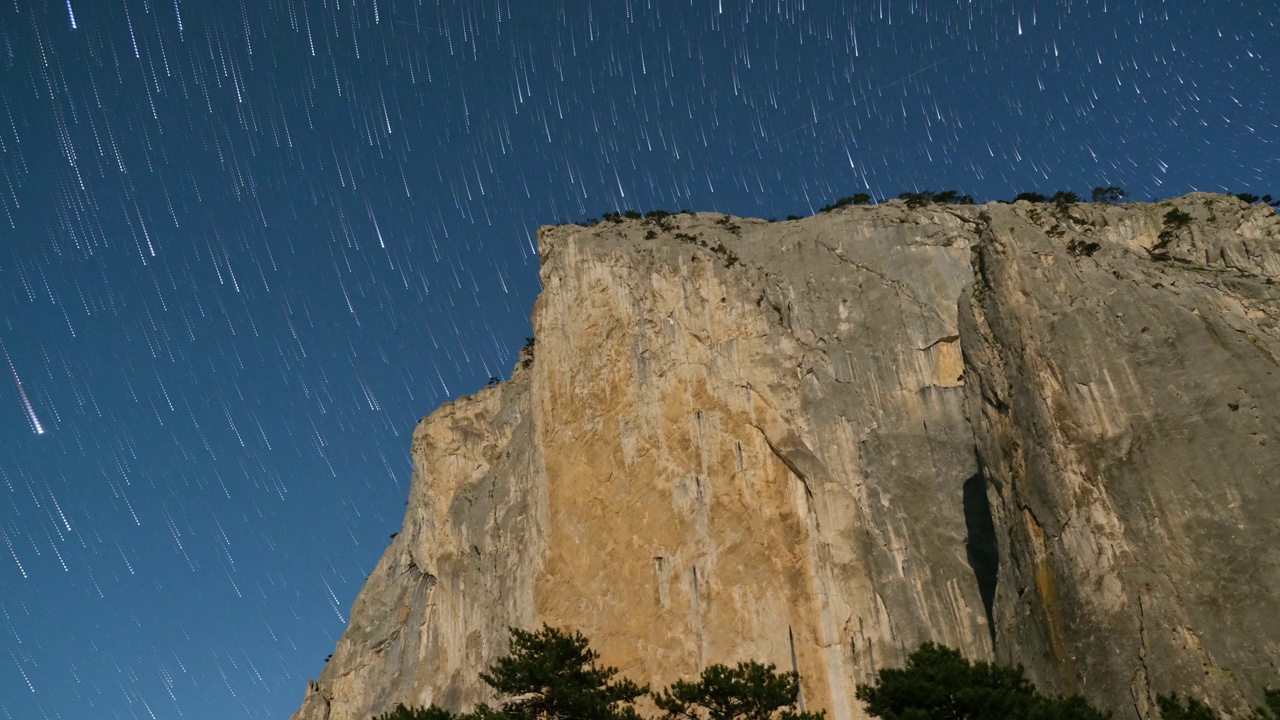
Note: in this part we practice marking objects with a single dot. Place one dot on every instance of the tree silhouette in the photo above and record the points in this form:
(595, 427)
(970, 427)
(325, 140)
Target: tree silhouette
(1108, 195)
(552, 674)
(1270, 707)
(749, 691)
(405, 713)
(951, 197)
(938, 682)
(855, 199)
(1173, 707)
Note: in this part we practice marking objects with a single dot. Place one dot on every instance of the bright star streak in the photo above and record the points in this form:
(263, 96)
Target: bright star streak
(22, 394)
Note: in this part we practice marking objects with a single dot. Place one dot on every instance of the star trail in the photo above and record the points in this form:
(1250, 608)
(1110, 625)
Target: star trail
(245, 245)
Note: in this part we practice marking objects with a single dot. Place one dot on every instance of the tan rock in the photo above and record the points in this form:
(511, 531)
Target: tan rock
(738, 439)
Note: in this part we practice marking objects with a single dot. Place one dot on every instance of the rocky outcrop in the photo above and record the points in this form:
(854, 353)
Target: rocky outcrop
(788, 441)
(1125, 411)
(457, 575)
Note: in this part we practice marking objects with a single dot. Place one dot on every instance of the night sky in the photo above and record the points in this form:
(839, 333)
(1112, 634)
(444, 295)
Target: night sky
(246, 244)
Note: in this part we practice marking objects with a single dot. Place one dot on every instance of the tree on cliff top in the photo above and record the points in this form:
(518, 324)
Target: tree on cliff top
(939, 683)
(749, 691)
(1173, 707)
(1109, 194)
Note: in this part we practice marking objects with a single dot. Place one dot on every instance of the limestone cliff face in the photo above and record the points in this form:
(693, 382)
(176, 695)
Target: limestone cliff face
(459, 573)
(1126, 415)
(738, 439)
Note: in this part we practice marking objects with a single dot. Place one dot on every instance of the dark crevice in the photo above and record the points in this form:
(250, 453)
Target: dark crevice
(981, 545)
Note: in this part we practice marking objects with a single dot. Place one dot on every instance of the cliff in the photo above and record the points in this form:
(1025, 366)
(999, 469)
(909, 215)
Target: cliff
(818, 443)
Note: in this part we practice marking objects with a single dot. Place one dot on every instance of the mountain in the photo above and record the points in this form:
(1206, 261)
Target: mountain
(1044, 434)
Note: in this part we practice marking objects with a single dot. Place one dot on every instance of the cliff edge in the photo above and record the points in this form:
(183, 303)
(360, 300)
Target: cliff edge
(1041, 434)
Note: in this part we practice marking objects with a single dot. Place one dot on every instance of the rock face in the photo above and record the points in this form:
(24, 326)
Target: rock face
(1126, 416)
(819, 443)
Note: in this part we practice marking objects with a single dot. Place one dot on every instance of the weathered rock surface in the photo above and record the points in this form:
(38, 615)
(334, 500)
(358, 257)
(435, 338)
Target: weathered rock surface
(459, 573)
(1126, 414)
(743, 439)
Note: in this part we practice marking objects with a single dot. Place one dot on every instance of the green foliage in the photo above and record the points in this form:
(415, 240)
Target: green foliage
(951, 197)
(916, 200)
(660, 218)
(856, 199)
(1034, 197)
(939, 683)
(549, 675)
(1063, 200)
(526, 352)
(435, 712)
(794, 217)
(1265, 199)
(1173, 707)
(928, 197)
(749, 691)
(404, 713)
(552, 674)
(727, 222)
(1270, 707)
(632, 214)
(729, 256)
(1080, 247)
(1108, 195)
(1176, 219)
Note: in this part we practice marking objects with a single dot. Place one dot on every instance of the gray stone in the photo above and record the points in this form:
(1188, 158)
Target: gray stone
(787, 441)
(1125, 411)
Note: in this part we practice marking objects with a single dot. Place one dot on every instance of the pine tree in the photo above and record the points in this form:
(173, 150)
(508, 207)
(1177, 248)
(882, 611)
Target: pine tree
(749, 691)
(939, 683)
(1108, 194)
(1173, 707)
(405, 713)
(552, 675)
